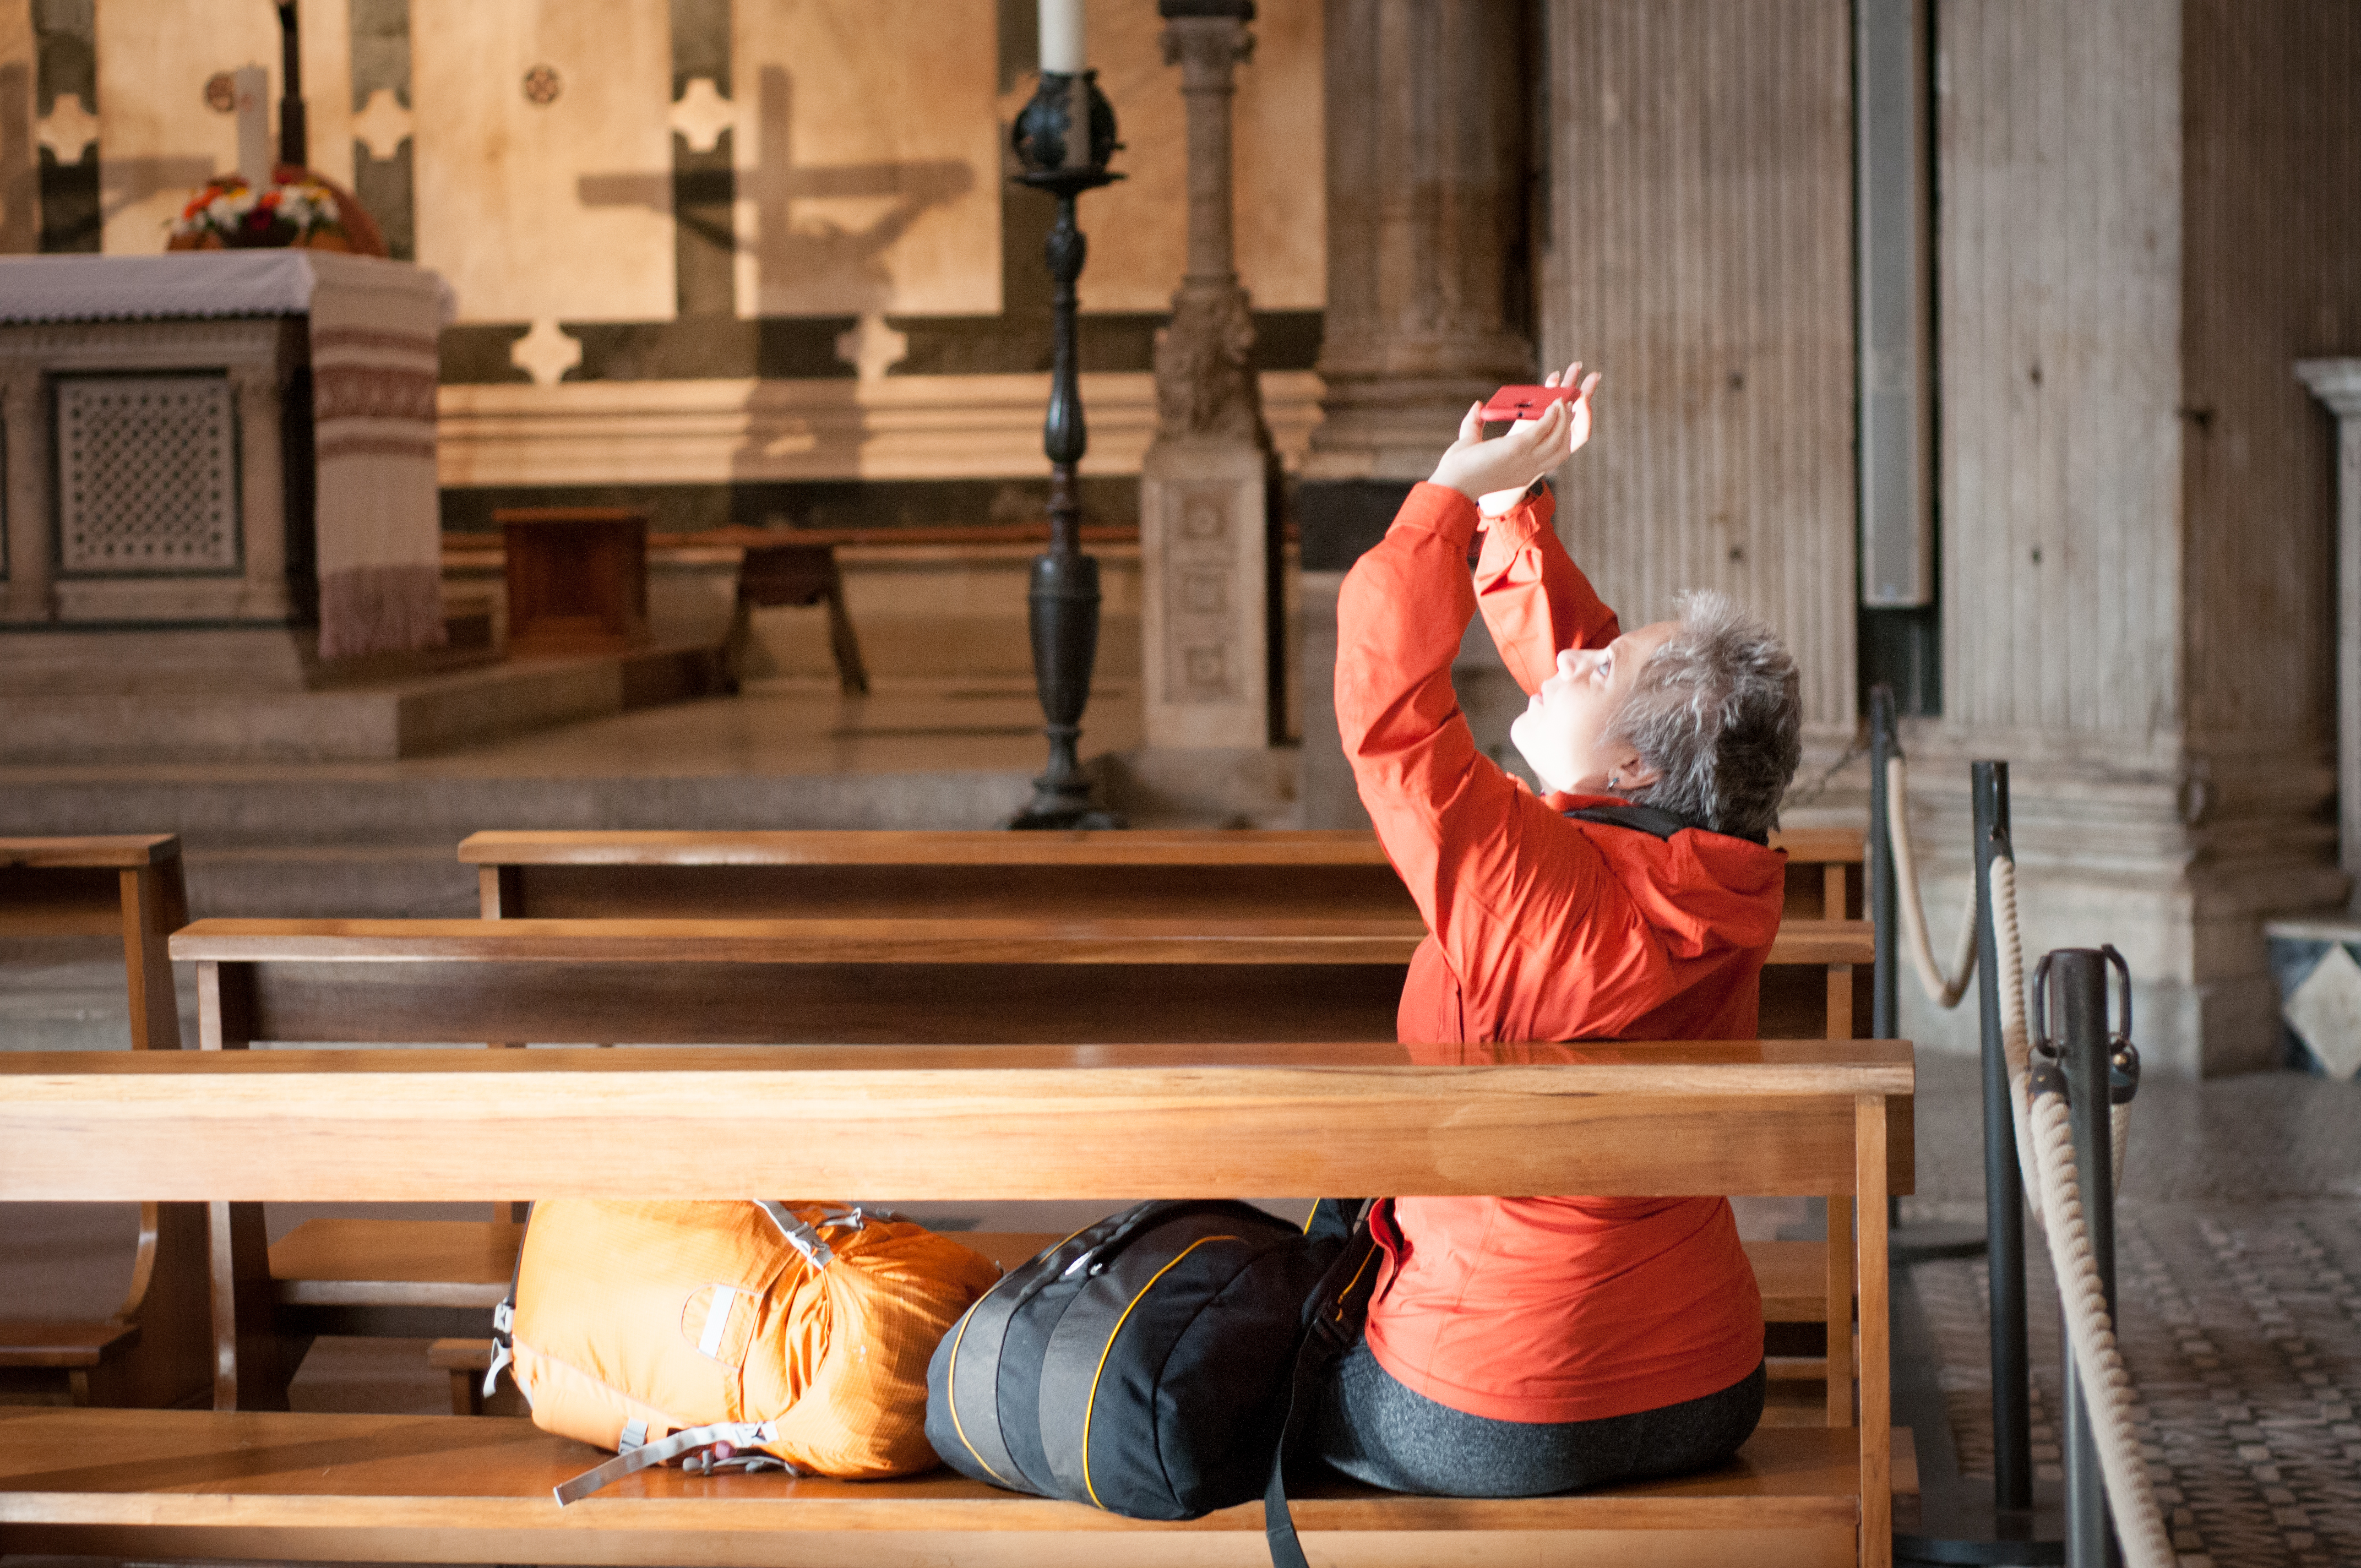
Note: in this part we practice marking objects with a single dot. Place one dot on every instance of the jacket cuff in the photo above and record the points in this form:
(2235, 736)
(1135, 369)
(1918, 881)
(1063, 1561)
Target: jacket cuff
(1528, 519)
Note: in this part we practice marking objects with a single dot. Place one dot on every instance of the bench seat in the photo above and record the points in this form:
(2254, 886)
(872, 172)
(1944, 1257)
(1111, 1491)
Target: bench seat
(457, 1489)
(42, 1344)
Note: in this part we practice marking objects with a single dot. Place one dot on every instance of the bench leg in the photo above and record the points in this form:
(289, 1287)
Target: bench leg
(737, 647)
(851, 676)
(155, 904)
(170, 1364)
(253, 1363)
(466, 1393)
(1876, 1389)
(253, 1360)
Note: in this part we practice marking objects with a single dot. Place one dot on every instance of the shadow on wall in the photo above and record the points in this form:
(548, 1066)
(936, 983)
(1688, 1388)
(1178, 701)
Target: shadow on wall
(127, 182)
(803, 256)
(813, 255)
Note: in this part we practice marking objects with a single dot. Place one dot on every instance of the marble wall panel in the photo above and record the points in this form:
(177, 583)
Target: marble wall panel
(2058, 268)
(1699, 254)
(158, 138)
(1138, 229)
(868, 156)
(542, 210)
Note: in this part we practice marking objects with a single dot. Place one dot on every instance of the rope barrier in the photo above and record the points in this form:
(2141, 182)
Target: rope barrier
(1944, 987)
(2045, 1152)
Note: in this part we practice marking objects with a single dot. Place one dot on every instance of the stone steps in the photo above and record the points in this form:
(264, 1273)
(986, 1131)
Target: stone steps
(380, 720)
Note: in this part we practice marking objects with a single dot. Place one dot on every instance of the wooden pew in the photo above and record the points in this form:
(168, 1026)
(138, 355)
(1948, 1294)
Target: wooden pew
(870, 981)
(128, 887)
(919, 1124)
(1155, 874)
(811, 983)
(1166, 874)
(154, 1350)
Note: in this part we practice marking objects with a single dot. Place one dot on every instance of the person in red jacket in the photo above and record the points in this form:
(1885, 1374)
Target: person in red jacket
(1520, 1346)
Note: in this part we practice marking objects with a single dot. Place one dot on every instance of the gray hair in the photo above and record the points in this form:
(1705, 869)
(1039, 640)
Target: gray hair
(1717, 712)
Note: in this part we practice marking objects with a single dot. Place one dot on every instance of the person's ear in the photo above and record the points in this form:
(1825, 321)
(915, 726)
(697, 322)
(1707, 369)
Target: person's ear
(1627, 774)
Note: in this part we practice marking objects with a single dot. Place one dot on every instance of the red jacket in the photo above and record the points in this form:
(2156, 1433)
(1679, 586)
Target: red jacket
(1540, 928)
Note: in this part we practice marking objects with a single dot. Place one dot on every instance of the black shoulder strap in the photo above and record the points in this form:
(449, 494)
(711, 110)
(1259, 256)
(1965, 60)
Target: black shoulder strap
(1649, 820)
(1332, 1319)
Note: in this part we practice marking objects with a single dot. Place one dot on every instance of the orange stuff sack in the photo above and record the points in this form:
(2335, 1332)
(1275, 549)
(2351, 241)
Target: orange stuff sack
(799, 1331)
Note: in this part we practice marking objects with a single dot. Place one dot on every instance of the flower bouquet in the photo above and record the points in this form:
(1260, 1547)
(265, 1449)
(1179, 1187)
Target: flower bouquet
(297, 208)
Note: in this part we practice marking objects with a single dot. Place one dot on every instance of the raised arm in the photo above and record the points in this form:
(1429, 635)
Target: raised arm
(1535, 601)
(1458, 829)
(1477, 851)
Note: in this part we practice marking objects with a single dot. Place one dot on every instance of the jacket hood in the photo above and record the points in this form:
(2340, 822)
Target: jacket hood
(1702, 892)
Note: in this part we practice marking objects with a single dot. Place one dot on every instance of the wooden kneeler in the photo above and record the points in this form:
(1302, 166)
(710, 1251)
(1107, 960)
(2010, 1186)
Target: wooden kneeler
(919, 1125)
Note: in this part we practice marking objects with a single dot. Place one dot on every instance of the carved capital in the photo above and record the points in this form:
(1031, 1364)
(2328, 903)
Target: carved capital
(1205, 367)
(1207, 49)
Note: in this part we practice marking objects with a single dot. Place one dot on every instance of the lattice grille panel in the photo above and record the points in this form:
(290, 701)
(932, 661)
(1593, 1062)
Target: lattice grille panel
(147, 474)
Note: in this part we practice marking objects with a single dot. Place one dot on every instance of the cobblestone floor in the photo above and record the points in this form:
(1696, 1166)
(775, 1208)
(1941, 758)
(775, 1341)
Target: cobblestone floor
(2240, 1323)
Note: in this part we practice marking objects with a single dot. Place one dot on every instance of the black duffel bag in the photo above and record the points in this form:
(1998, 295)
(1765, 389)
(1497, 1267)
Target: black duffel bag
(1154, 1364)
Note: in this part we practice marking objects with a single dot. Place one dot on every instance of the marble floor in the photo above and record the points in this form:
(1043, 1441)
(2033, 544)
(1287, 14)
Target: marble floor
(2239, 1282)
(773, 727)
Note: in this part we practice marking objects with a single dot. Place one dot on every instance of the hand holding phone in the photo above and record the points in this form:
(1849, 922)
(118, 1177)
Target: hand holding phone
(1525, 402)
(1538, 440)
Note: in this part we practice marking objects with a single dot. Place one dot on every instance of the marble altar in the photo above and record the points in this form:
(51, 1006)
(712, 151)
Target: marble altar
(235, 446)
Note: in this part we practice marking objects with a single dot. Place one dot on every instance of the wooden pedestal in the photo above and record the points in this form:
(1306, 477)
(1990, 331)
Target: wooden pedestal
(577, 579)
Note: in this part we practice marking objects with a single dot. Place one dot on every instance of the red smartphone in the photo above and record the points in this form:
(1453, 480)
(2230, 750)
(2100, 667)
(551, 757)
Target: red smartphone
(1524, 402)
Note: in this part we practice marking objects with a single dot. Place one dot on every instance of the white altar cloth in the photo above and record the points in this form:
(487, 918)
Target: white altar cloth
(374, 327)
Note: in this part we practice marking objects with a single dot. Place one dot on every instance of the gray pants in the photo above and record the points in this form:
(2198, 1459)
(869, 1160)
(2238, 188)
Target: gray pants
(1375, 1430)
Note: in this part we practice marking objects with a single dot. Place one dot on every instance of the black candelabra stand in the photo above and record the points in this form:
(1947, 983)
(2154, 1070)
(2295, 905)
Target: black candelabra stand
(1063, 138)
(294, 143)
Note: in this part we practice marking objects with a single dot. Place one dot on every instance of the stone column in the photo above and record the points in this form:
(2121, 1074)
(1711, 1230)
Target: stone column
(2337, 383)
(1207, 482)
(2135, 497)
(1429, 293)
(1699, 253)
(1428, 297)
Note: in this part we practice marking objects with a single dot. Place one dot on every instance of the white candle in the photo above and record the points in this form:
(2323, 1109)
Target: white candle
(1061, 36)
(254, 159)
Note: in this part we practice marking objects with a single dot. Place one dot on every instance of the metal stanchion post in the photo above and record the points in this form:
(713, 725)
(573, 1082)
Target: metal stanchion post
(1960, 1521)
(1885, 992)
(2073, 987)
(2004, 1188)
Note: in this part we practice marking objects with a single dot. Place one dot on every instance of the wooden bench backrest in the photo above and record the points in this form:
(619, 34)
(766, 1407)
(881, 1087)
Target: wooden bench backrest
(1153, 873)
(946, 1123)
(868, 982)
